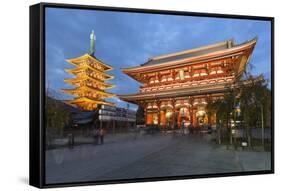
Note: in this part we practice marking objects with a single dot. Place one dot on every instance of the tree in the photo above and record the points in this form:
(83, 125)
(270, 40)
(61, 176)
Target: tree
(214, 107)
(254, 99)
(140, 116)
(57, 117)
(255, 102)
(224, 109)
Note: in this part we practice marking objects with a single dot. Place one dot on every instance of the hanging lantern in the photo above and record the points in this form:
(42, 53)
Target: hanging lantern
(187, 75)
(155, 106)
(203, 101)
(181, 74)
(196, 73)
(151, 81)
(170, 78)
(195, 102)
(186, 103)
(169, 104)
(178, 103)
(164, 79)
(163, 104)
(220, 71)
(203, 73)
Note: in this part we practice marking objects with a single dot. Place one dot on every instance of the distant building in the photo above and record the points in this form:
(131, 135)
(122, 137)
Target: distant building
(109, 117)
(176, 87)
(107, 113)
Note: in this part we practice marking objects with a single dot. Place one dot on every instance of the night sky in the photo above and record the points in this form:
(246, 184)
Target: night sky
(129, 39)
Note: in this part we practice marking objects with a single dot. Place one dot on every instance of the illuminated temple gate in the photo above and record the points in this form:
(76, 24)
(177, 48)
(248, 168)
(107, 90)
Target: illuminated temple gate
(177, 87)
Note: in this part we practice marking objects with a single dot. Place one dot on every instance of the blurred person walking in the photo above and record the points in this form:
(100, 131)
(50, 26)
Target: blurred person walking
(101, 135)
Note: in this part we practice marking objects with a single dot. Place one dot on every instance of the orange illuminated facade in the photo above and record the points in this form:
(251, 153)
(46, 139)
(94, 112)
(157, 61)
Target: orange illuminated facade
(177, 87)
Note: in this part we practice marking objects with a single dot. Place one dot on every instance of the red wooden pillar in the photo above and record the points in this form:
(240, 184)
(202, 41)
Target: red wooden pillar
(208, 98)
(178, 118)
(158, 113)
(191, 115)
(145, 113)
(174, 114)
(191, 110)
(209, 117)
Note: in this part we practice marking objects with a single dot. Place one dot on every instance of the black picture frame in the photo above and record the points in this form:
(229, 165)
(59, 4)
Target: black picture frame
(37, 88)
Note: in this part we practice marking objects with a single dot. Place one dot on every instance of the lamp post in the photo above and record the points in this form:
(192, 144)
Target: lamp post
(262, 126)
(219, 132)
(230, 127)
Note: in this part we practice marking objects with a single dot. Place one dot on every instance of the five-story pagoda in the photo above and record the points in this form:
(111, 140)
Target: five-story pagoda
(90, 80)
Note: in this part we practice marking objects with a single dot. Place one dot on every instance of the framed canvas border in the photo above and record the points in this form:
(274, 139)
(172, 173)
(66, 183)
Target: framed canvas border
(37, 94)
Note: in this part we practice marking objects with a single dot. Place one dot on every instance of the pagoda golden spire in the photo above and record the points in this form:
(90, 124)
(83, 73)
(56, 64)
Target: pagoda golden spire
(89, 81)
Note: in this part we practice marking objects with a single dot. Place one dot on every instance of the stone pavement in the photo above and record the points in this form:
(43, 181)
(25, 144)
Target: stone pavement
(149, 156)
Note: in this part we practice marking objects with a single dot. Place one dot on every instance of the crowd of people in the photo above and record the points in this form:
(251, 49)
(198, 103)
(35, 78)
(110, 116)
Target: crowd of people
(198, 128)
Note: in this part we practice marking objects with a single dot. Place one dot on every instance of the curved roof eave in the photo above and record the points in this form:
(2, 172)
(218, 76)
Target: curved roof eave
(241, 46)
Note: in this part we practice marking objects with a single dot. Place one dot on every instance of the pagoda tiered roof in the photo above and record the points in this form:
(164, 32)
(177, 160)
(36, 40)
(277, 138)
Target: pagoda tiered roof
(84, 79)
(88, 70)
(89, 82)
(90, 60)
(86, 103)
(86, 90)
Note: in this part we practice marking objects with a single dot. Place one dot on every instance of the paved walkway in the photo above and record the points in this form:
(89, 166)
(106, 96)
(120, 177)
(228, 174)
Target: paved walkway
(149, 156)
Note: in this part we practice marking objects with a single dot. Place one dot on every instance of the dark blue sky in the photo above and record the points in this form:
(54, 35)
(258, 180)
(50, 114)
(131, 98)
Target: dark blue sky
(129, 39)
